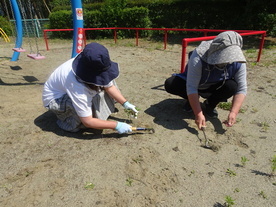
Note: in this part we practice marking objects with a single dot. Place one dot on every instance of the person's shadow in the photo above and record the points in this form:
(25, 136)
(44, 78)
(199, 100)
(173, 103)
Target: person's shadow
(47, 122)
(170, 114)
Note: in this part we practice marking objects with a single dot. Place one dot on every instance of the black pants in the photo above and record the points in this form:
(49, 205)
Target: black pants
(217, 93)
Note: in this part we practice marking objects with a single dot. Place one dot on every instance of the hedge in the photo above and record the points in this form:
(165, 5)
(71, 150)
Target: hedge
(197, 14)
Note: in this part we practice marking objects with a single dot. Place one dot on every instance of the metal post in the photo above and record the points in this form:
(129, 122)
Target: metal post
(19, 28)
(77, 23)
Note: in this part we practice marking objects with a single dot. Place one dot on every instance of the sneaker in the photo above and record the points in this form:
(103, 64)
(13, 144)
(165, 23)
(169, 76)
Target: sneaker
(209, 111)
(187, 107)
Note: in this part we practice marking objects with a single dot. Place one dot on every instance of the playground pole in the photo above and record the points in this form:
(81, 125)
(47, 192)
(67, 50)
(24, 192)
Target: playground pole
(77, 23)
(19, 29)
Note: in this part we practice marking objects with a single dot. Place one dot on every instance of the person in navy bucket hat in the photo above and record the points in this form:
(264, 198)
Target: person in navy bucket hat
(82, 92)
(93, 65)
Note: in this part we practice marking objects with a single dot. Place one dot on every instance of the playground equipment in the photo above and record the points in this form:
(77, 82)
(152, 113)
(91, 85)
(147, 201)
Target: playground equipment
(19, 27)
(5, 36)
(78, 27)
(77, 34)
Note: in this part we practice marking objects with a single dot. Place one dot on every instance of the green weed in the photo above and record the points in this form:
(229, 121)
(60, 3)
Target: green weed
(129, 182)
(244, 160)
(273, 165)
(231, 172)
(229, 201)
(89, 186)
(227, 106)
(263, 194)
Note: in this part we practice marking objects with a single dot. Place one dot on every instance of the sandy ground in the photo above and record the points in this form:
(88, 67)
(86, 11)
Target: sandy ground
(41, 165)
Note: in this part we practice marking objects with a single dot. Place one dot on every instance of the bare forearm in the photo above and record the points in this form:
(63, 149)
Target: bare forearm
(195, 104)
(115, 94)
(95, 123)
(237, 102)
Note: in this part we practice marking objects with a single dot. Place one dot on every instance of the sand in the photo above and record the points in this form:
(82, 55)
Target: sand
(42, 165)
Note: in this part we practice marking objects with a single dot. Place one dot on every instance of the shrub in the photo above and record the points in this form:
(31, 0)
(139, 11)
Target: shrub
(5, 25)
(61, 20)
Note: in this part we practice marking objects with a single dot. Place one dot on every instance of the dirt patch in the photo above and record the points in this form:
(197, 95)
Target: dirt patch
(41, 165)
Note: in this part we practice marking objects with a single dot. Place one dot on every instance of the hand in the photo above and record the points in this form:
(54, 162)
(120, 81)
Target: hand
(231, 119)
(200, 121)
(123, 128)
(130, 106)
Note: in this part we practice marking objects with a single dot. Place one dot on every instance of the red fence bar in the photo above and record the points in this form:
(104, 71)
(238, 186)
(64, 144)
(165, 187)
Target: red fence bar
(205, 31)
(185, 42)
(52, 30)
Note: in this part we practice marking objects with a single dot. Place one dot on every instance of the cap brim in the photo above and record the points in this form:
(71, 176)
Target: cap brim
(227, 55)
(96, 78)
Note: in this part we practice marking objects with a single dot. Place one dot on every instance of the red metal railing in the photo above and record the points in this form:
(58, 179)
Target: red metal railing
(185, 41)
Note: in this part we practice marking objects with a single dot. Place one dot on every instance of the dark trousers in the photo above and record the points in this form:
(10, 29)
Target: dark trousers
(219, 92)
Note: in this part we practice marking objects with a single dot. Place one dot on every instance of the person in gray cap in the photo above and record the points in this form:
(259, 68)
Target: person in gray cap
(82, 92)
(216, 71)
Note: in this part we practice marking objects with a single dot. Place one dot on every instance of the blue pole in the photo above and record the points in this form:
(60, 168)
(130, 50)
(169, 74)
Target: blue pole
(19, 29)
(77, 23)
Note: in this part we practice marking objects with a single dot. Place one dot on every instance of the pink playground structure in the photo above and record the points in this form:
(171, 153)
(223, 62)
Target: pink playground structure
(185, 41)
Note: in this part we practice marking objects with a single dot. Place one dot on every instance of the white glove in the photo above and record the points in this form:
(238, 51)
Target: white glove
(123, 128)
(130, 106)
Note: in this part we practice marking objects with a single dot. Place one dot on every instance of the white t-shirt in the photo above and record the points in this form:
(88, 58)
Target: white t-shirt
(63, 81)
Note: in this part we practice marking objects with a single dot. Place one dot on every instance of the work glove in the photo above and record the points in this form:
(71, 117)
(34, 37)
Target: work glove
(123, 128)
(129, 106)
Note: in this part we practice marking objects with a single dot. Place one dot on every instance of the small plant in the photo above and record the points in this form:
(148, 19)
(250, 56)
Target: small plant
(263, 195)
(129, 182)
(254, 110)
(131, 114)
(236, 190)
(191, 173)
(231, 172)
(89, 186)
(227, 106)
(138, 159)
(229, 201)
(244, 160)
(273, 165)
(264, 126)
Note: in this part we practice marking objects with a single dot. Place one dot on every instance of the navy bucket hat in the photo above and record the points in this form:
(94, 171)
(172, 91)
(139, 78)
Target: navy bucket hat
(93, 65)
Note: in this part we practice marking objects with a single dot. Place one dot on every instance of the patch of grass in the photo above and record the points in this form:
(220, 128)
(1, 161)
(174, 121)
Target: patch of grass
(273, 165)
(227, 106)
(244, 160)
(263, 195)
(264, 126)
(89, 186)
(138, 159)
(251, 51)
(231, 172)
(129, 182)
(237, 190)
(229, 201)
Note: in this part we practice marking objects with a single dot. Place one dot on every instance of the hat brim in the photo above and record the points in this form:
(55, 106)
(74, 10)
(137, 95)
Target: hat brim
(94, 77)
(229, 54)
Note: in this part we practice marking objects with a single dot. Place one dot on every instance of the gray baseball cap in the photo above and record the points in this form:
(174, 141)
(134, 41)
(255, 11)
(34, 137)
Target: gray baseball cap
(225, 48)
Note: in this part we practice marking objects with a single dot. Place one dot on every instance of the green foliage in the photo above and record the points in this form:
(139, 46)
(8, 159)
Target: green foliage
(199, 14)
(61, 20)
(5, 25)
(244, 160)
(229, 201)
(273, 165)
